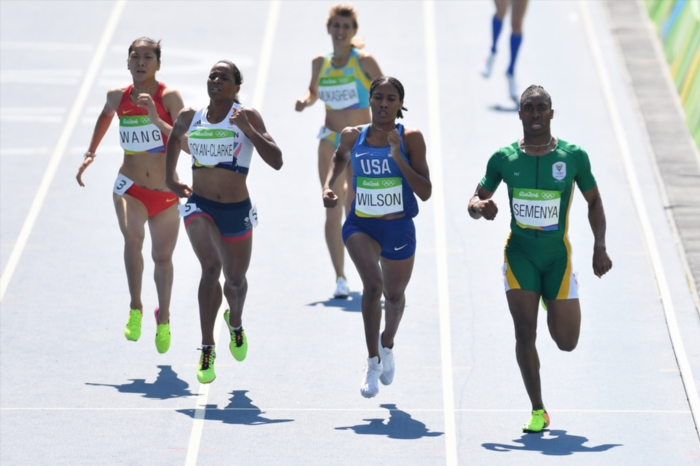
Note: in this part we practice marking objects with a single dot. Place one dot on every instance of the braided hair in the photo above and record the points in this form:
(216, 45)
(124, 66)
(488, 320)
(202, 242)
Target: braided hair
(394, 82)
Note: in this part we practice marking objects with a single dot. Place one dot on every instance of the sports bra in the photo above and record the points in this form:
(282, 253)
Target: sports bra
(220, 145)
(137, 134)
(345, 87)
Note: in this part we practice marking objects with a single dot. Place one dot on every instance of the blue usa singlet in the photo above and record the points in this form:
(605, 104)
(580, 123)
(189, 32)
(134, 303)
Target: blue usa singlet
(380, 187)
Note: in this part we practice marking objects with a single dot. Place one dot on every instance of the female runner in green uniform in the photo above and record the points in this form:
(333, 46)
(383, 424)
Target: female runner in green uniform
(341, 79)
(540, 171)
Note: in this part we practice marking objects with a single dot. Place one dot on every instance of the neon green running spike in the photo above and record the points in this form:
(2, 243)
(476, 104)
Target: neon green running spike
(538, 421)
(205, 370)
(239, 342)
(163, 338)
(162, 334)
(133, 325)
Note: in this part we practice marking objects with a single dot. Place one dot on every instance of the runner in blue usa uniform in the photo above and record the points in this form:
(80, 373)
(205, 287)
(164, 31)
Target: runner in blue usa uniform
(389, 168)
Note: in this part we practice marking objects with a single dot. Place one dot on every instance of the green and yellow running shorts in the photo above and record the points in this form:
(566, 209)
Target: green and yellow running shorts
(540, 265)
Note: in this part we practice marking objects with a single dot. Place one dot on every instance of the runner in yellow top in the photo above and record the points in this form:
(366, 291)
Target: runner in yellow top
(540, 171)
(341, 79)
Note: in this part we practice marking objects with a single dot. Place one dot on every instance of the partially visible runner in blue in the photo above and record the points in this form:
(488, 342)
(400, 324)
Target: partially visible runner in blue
(517, 14)
(540, 172)
(389, 167)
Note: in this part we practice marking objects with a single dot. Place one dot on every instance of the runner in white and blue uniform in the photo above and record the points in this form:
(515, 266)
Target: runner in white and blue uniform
(390, 169)
(219, 217)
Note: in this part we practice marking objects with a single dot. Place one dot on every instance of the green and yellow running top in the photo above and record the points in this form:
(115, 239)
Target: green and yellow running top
(540, 188)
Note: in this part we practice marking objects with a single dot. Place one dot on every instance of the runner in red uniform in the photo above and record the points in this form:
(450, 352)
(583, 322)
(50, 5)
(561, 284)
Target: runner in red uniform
(146, 110)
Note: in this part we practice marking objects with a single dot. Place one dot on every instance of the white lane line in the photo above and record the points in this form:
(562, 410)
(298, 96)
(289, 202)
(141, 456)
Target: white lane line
(50, 46)
(34, 111)
(23, 151)
(650, 239)
(60, 148)
(40, 115)
(378, 410)
(263, 71)
(39, 76)
(266, 55)
(202, 399)
(436, 174)
(29, 118)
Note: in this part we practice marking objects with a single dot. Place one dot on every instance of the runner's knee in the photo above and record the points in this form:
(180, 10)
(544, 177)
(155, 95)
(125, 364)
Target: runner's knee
(526, 335)
(211, 269)
(393, 299)
(373, 290)
(517, 26)
(134, 239)
(162, 261)
(235, 281)
(567, 344)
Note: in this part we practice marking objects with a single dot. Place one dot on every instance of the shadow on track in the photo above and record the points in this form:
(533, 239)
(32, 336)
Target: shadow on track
(500, 108)
(240, 410)
(558, 443)
(352, 304)
(400, 426)
(166, 386)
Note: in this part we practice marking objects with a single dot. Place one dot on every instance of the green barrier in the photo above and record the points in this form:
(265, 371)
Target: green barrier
(678, 25)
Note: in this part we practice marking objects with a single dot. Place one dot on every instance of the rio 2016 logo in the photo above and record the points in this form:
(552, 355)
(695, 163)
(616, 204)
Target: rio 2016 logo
(547, 196)
(388, 183)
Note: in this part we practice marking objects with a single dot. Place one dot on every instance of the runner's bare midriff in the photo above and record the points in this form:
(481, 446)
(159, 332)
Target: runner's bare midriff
(146, 170)
(220, 185)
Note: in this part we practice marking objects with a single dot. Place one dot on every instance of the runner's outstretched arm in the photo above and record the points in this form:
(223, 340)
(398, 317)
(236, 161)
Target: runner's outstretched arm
(101, 126)
(596, 217)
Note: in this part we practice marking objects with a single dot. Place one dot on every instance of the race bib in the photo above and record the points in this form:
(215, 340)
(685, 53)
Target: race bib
(376, 197)
(122, 184)
(339, 92)
(251, 221)
(137, 134)
(186, 209)
(253, 216)
(210, 147)
(536, 209)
